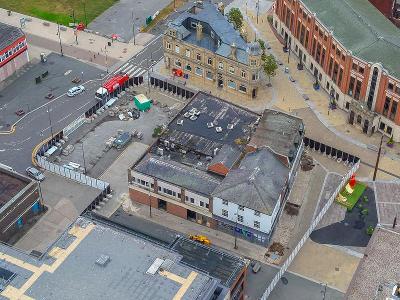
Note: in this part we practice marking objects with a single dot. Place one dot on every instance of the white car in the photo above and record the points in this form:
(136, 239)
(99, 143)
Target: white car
(76, 90)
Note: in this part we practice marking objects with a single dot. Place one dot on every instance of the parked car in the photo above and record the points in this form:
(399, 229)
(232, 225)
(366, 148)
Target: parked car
(20, 112)
(76, 80)
(49, 96)
(35, 173)
(76, 90)
(292, 79)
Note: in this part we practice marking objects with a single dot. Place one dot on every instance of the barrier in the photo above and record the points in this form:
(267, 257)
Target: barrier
(166, 84)
(76, 176)
(314, 224)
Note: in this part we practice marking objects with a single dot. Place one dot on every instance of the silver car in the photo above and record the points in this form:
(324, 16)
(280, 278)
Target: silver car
(35, 173)
(76, 90)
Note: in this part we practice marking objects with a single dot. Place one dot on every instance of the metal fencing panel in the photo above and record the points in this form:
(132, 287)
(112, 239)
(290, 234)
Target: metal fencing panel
(314, 224)
(70, 174)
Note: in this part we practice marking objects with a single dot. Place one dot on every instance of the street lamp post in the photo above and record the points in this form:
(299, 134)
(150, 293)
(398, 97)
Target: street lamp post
(59, 38)
(377, 159)
(105, 51)
(84, 161)
(51, 126)
(133, 29)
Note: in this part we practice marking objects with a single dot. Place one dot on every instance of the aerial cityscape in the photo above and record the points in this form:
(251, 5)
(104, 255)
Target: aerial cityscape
(205, 150)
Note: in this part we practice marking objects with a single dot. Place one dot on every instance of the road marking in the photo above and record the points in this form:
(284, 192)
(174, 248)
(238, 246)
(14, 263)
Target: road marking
(64, 118)
(129, 67)
(84, 105)
(133, 70)
(120, 68)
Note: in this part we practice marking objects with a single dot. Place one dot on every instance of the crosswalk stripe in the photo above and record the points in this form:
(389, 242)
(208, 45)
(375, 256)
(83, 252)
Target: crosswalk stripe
(137, 72)
(120, 68)
(133, 70)
(141, 73)
(127, 70)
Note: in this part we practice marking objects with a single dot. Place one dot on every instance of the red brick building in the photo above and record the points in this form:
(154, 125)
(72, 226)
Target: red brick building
(13, 50)
(390, 8)
(353, 51)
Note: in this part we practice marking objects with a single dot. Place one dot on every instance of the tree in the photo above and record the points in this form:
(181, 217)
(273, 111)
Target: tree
(270, 66)
(262, 45)
(235, 17)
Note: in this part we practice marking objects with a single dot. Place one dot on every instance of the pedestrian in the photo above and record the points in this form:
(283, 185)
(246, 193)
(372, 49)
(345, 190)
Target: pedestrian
(94, 56)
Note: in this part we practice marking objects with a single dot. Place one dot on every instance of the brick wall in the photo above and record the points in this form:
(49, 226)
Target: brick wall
(142, 198)
(177, 210)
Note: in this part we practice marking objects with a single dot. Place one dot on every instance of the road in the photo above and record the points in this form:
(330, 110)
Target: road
(16, 148)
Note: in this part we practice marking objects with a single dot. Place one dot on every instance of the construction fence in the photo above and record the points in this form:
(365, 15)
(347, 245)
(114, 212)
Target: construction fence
(314, 224)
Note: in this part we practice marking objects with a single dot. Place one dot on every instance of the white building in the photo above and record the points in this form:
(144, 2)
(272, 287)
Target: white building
(249, 198)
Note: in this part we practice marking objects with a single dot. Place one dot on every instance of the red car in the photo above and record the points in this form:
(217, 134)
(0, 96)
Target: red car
(20, 112)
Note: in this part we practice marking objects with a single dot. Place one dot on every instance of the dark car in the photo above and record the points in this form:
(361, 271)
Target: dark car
(49, 96)
(20, 112)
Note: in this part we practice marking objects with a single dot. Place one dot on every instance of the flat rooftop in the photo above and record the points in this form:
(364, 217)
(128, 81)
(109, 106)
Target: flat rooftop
(96, 261)
(379, 268)
(362, 29)
(279, 131)
(10, 185)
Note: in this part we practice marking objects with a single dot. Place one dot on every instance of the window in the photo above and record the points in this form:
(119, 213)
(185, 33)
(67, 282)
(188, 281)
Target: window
(358, 90)
(254, 76)
(256, 224)
(347, 105)
(224, 202)
(221, 65)
(179, 195)
(257, 213)
(193, 25)
(198, 56)
(354, 67)
(231, 84)
(389, 130)
(390, 86)
(393, 110)
(159, 188)
(207, 205)
(209, 75)
(253, 62)
(191, 200)
(209, 61)
(386, 106)
(178, 63)
(168, 46)
(361, 70)
(241, 207)
(382, 126)
(188, 68)
(186, 198)
(199, 71)
(176, 48)
(202, 203)
(243, 88)
(397, 90)
(187, 53)
(243, 74)
(240, 218)
(359, 119)
(231, 70)
(225, 213)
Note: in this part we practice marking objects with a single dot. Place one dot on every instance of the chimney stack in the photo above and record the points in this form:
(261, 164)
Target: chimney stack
(199, 31)
(233, 51)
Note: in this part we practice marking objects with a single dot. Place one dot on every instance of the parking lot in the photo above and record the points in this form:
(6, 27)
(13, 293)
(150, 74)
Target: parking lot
(25, 94)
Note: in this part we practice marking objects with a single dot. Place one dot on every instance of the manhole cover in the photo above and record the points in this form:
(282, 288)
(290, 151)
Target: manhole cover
(284, 280)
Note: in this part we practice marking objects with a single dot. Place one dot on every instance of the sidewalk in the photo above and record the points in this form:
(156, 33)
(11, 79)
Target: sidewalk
(89, 45)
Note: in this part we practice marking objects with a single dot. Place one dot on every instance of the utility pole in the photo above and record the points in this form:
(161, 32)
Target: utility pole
(59, 38)
(148, 74)
(105, 51)
(377, 159)
(133, 29)
(84, 161)
(51, 126)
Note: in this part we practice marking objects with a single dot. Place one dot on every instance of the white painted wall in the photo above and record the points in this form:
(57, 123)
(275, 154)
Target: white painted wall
(171, 187)
(139, 176)
(266, 221)
(197, 198)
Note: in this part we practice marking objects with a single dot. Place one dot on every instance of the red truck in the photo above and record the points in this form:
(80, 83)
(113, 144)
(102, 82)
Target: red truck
(111, 85)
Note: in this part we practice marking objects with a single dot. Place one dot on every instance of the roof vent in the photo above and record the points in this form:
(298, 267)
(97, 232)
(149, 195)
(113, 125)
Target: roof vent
(218, 129)
(230, 126)
(179, 122)
(210, 125)
(103, 260)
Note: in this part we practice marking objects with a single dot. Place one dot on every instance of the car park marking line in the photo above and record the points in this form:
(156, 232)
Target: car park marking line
(64, 118)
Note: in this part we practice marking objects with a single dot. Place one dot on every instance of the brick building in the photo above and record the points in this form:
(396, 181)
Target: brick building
(353, 51)
(210, 152)
(390, 8)
(20, 199)
(203, 47)
(13, 50)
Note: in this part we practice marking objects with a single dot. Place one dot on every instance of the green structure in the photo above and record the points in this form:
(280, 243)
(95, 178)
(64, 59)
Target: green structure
(142, 102)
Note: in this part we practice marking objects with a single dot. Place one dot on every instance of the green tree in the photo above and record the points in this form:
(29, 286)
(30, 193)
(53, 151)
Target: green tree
(270, 66)
(235, 17)
(262, 45)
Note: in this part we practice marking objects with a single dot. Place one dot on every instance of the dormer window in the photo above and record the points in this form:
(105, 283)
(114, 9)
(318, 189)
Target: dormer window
(176, 48)
(168, 46)
(212, 34)
(193, 25)
(253, 62)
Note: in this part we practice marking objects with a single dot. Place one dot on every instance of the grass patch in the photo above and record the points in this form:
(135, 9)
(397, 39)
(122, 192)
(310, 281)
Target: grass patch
(164, 13)
(60, 10)
(352, 198)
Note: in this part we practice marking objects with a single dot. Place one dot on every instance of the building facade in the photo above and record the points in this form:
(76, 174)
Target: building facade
(13, 50)
(20, 200)
(352, 50)
(203, 47)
